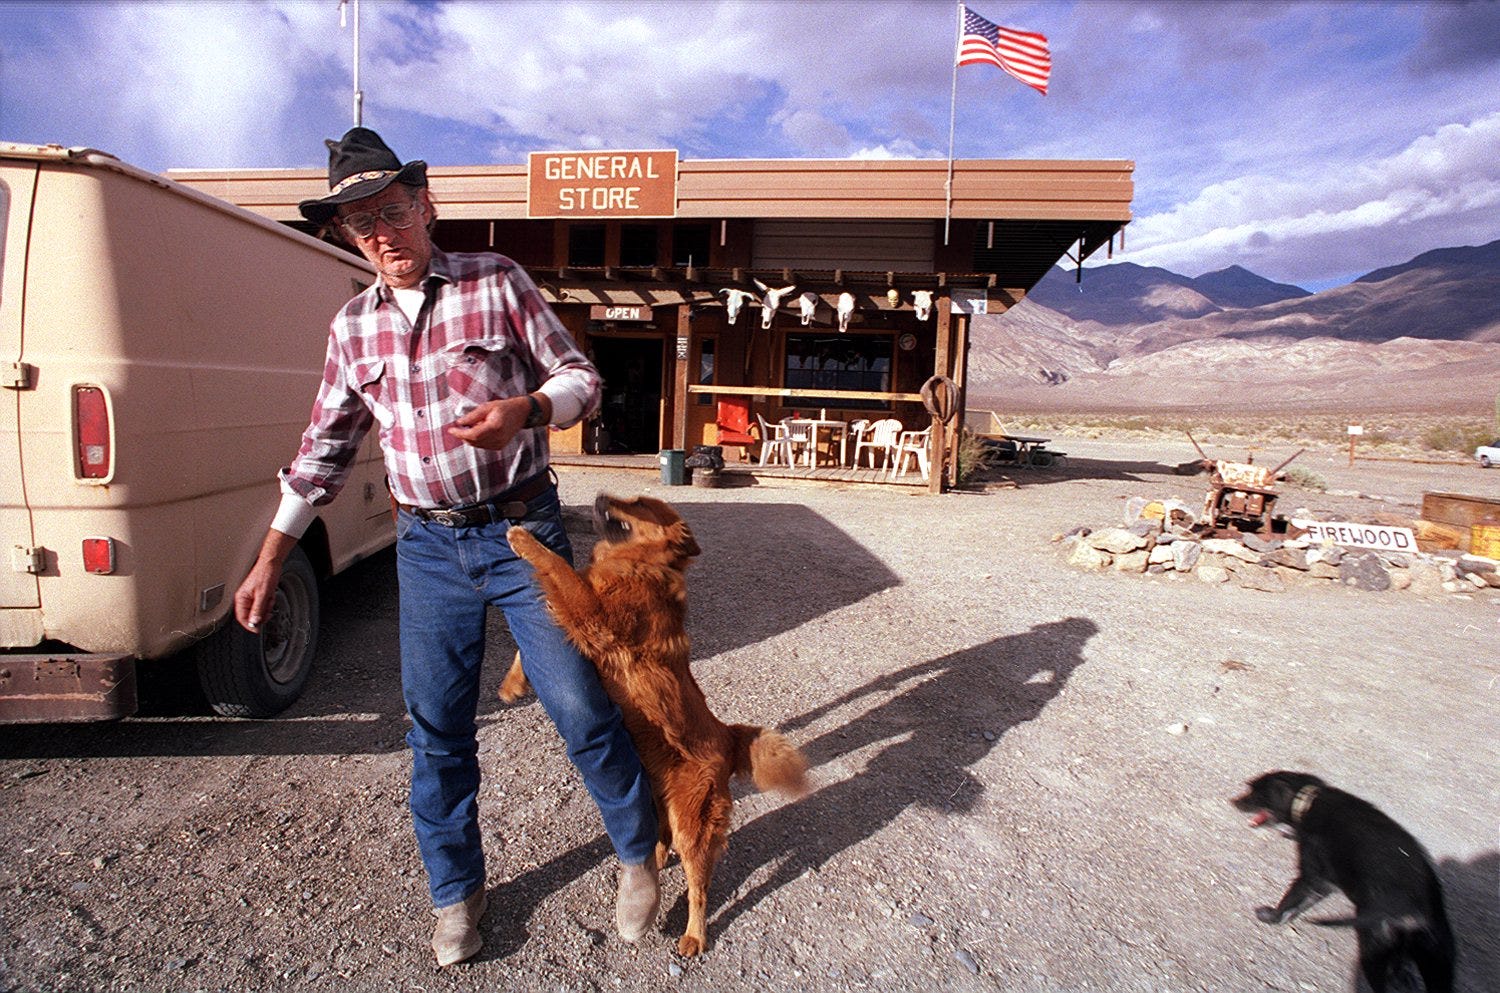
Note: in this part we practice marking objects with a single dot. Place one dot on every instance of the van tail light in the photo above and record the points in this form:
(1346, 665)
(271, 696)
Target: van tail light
(99, 555)
(91, 423)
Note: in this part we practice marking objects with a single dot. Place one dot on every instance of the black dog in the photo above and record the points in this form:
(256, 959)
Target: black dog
(1344, 842)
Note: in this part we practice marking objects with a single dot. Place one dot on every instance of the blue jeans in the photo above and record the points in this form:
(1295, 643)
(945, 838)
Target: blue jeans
(448, 577)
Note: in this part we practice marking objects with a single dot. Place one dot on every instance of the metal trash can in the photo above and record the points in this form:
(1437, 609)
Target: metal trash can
(673, 473)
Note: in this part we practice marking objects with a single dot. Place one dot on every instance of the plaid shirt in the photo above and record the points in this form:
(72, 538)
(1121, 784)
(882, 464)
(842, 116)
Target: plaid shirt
(484, 333)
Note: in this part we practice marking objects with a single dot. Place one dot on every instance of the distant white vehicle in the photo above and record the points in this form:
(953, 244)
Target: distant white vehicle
(1488, 455)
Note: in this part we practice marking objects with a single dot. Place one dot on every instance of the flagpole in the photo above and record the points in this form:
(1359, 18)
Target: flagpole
(359, 95)
(958, 36)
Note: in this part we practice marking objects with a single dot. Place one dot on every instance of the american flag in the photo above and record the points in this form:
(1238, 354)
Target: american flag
(1023, 54)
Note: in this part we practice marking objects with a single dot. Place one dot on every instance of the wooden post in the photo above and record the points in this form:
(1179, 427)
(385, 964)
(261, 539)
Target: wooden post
(937, 448)
(960, 378)
(684, 351)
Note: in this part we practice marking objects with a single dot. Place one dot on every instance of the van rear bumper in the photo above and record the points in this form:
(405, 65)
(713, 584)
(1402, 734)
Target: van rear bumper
(66, 686)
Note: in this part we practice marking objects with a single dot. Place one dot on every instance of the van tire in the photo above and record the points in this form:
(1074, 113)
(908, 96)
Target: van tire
(260, 675)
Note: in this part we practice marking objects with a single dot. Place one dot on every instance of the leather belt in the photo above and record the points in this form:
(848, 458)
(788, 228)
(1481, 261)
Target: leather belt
(508, 506)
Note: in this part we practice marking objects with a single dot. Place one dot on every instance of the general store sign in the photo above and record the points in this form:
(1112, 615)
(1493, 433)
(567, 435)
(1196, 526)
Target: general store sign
(1378, 536)
(602, 184)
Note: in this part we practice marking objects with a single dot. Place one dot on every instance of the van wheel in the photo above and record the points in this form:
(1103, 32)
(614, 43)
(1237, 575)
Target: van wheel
(259, 675)
(1484, 461)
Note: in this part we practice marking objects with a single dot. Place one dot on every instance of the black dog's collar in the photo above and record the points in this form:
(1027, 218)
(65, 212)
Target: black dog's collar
(1304, 798)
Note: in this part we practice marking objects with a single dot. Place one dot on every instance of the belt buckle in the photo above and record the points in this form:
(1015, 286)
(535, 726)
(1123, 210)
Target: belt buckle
(447, 518)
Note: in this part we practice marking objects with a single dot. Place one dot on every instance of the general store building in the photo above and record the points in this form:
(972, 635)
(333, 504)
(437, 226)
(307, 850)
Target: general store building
(642, 255)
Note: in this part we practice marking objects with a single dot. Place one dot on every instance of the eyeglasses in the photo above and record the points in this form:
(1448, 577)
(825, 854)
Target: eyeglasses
(400, 215)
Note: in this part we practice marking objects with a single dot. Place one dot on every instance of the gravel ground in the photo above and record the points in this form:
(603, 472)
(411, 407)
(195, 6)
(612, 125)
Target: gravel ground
(1021, 770)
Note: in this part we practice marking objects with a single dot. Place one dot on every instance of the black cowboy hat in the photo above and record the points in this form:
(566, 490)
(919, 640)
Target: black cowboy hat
(360, 165)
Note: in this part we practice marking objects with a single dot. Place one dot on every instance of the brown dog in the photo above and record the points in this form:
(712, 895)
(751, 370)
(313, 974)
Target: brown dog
(626, 613)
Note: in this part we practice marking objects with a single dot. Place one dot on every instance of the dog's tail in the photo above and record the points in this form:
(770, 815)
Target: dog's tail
(771, 762)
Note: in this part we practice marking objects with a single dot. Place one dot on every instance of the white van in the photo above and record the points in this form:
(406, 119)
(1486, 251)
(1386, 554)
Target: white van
(159, 354)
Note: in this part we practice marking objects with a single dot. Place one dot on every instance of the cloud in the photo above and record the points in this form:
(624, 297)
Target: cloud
(1457, 36)
(1320, 220)
(1307, 139)
(899, 149)
(604, 75)
(198, 84)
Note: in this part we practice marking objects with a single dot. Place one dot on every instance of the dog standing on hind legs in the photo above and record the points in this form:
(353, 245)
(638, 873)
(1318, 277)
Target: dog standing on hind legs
(626, 612)
(1347, 844)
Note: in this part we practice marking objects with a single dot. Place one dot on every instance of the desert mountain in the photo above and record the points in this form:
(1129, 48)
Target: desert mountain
(1126, 293)
(1419, 335)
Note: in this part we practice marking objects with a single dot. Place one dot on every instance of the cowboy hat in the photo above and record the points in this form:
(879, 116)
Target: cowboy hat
(360, 165)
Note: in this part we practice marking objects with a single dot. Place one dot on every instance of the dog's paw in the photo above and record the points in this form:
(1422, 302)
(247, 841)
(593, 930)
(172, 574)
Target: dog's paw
(522, 542)
(1267, 915)
(515, 685)
(688, 946)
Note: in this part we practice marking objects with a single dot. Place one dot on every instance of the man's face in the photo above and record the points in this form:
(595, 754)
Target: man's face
(400, 255)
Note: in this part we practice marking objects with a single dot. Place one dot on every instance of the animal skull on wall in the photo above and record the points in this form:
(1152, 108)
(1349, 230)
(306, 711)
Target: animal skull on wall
(809, 302)
(921, 302)
(734, 300)
(772, 301)
(846, 308)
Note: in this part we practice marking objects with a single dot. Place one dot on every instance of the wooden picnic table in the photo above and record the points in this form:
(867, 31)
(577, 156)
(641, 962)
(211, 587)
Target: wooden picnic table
(1028, 448)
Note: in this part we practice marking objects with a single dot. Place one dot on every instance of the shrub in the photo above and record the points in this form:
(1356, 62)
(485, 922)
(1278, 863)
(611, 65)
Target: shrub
(1449, 437)
(1305, 478)
(974, 456)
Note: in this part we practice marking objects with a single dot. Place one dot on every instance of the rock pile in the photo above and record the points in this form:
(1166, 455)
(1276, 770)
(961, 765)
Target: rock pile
(1272, 564)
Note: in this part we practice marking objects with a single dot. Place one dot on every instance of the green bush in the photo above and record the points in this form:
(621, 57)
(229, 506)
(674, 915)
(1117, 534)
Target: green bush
(974, 456)
(1448, 437)
(1305, 478)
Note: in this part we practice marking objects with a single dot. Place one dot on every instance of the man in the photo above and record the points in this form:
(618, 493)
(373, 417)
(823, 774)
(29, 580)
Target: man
(462, 365)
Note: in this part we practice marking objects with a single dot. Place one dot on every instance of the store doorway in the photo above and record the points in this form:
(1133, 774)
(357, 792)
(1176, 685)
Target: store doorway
(630, 415)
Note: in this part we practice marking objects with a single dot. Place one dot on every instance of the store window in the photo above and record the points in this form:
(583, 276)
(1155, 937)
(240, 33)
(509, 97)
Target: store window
(840, 362)
(586, 245)
(690, 245)
(707, 349)
(638, 245)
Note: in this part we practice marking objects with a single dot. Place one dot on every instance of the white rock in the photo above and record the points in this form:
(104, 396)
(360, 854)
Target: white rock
(1232, 548)
(1212, 574)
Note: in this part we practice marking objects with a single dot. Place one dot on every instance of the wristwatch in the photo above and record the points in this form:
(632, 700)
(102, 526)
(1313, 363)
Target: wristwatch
(535, 417)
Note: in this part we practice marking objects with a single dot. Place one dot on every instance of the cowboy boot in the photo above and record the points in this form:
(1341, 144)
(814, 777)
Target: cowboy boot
(456, 936)
(638, 898)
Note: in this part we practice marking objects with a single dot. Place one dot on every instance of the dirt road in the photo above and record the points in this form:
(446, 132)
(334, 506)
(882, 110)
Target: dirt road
(1021, 772)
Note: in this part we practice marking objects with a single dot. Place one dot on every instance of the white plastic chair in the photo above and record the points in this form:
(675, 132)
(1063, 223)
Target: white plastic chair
(857, 430)
(911, 443)
(881, 436)
(799, 439)
(774, 443)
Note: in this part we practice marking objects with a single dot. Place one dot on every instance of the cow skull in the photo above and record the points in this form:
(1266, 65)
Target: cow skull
(734, 300)
(772, 301)
(846, 308)
(809, 302)
(921, 302)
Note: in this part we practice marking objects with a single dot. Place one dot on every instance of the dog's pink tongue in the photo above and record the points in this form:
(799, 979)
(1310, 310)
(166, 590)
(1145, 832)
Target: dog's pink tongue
(1259, 818)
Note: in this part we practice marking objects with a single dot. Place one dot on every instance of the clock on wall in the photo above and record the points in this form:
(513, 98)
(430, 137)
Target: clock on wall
(907, 342)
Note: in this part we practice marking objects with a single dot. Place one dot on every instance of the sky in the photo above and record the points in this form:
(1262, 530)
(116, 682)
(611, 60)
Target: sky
(1309, 142)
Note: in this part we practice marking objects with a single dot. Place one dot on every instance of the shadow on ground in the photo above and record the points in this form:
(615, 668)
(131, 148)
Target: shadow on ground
(927, 724)
(1471, 895)
(352, 702)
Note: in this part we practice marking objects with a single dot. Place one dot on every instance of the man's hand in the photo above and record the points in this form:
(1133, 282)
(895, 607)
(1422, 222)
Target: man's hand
(492, 425)
(257, 594)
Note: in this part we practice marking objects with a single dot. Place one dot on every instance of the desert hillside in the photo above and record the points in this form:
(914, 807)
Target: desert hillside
(1422, 336)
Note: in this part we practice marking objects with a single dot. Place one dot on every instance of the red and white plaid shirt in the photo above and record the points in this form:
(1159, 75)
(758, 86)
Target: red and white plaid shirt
(484, 333)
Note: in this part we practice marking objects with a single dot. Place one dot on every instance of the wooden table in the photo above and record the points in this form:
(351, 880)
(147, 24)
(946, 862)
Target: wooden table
(813, 425)
(1026, 447)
